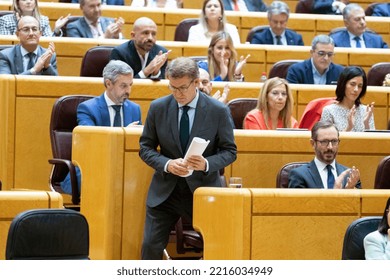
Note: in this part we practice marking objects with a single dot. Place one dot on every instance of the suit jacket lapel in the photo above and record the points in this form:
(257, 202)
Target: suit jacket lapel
(85, 27)
(200, 114)
(315, 174)
(309, 69)
(172, 115)
(103, 111)
(19, 60)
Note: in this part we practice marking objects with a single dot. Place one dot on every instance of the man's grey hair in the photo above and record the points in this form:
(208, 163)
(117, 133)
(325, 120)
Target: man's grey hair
(277, 8)
(321, 39)
(349, 8)
(116, 68)
(182, 67)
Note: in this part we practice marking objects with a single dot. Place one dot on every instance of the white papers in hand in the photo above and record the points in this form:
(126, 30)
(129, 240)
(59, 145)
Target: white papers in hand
(197, 147)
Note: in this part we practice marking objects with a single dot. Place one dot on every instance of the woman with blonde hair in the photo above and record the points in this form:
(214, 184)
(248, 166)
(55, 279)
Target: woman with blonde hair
(274, 107)
(9, 23)
(212, 19)
(222, 63)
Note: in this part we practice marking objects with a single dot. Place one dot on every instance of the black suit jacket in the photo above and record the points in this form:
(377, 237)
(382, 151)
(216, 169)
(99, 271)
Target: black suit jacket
(128, 53)
(302, 73)
(212, 122)
(265, 38)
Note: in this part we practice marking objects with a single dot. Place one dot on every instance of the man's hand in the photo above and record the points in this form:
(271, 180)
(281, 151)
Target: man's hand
(354, 177)
(197, 163)
(157, 62)
(224, 96)
(114, 29)
(178, 167)
(60, 23)
(44, 60)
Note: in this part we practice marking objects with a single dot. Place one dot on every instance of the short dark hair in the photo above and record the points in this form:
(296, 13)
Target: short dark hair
(384, 225)
(182, 67)
(321, 125)
(347, 74)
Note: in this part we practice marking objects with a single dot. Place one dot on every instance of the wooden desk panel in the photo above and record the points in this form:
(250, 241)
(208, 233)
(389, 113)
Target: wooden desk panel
(283, 223)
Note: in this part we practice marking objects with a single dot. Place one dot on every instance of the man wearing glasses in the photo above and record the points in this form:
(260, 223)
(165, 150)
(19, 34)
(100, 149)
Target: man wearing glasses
(171, 124)
(324, 172)
(28, 57)
(319, 69)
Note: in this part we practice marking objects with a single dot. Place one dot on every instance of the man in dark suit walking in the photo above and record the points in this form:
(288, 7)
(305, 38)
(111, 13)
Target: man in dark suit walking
(319, 69)
(28, 57)
(171, 124)
(356, 35)
(147, 59)
(93, 25)
(324, 171)
(278, 34)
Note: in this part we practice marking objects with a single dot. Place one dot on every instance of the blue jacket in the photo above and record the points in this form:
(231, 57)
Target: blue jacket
(80, 28)
(265, 38)
(381, 10)
(252, 5)
(371, 40)
(302, 73)
(94, 112)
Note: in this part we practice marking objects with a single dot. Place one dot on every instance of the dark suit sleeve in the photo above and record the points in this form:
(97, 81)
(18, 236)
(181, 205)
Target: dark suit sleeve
(84, 115)
(73, 31)
(293, 75)
(256, 39)
(300, 40)
(5, 67)
(295, 179)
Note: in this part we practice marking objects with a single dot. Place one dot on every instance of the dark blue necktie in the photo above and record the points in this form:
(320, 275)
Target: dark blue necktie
(278, 40)
(330, 177)
(117, 118)
(184, 128)
(31, 60)
(357, 39)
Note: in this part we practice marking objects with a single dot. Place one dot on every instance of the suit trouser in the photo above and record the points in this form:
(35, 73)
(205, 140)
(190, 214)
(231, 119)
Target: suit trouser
(161, 219)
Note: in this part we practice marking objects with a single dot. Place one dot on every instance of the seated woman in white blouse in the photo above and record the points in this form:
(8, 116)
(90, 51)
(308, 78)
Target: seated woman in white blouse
(212, 19)
(349, 114)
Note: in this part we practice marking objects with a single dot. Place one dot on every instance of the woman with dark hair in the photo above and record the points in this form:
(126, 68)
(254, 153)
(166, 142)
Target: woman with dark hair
(274, 107)
(349, 114)
(212, 19)
(222, 63)
(9, 23)
(377, 243)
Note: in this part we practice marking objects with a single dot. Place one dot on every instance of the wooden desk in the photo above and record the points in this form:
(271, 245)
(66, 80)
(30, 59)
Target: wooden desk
(25, 112)
(14, 202)
(280, 224)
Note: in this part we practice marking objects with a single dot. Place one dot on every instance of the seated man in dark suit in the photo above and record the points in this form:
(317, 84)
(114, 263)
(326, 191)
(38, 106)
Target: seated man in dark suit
(324, 172)
(28, 57)
(332, 7)
(112, 108)
(245, 5)
(319, 69)
(147, 59)
(356, 35)
(381, 10)
(278, 34)
(93, 25)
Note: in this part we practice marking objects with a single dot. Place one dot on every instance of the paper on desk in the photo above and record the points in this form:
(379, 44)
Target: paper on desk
(197, 147)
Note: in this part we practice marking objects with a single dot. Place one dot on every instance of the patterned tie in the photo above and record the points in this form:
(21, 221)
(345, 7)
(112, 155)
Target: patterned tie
(357, 39)
(31, 60)
(117, 118)
(184, 128)
(278, 40)
(330, 177)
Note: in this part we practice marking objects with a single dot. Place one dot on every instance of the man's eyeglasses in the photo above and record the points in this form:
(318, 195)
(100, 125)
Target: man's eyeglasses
(325, 143)
(27, 30)
(182, 89)
(323, 54)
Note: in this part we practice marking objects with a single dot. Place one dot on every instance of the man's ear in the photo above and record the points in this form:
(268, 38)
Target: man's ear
(132, 34)
(312, 142)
